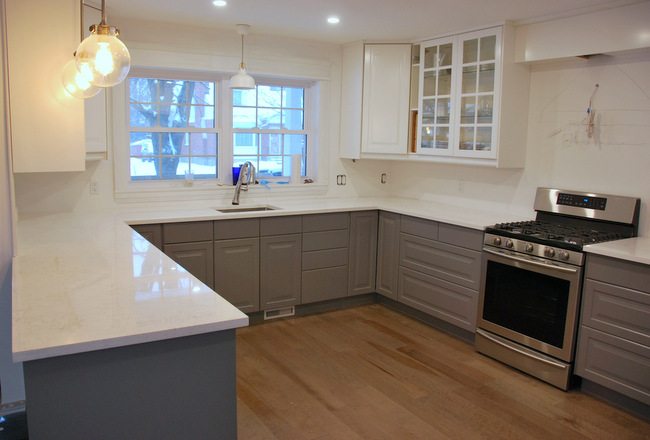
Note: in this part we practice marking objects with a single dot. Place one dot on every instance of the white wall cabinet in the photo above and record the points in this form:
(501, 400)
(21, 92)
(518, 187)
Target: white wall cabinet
(375, 99)
(47, 124)
(473, 100)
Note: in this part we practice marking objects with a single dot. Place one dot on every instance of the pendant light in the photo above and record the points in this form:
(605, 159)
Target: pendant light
(102, 57)
(77, 84)
(242, 80)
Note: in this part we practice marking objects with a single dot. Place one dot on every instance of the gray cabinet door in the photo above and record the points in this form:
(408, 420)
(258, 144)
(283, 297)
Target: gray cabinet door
(280, 271)
(363, 252)
(388, 254)
(152, 233)
(196, 258)
(237, 272)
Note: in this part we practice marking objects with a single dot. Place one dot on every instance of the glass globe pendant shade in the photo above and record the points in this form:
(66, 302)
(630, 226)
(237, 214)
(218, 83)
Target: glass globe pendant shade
(103, 57)
(77, 83)
(242, 80)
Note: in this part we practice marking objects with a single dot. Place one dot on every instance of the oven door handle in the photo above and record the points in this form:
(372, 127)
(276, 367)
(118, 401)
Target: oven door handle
(531, 262)
(522, 352)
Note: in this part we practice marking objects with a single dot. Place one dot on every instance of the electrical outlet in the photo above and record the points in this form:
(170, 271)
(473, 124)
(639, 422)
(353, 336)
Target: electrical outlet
(93, 188)
(341, 179)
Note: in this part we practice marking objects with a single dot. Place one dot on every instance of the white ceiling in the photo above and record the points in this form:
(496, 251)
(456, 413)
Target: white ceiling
(360, 19)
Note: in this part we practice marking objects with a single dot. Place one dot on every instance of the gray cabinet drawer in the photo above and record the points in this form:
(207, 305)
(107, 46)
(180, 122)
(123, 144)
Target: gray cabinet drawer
(323, 259)
(452, 263)
(420, 227)
(447, 301)
(280, 225)
(324, 284)
(459, 236)
(619, 272)
(316, 241)
(615, 363)
(240, 228)
(152, 233)
(325, 222)
(187, 232)
(617, 310)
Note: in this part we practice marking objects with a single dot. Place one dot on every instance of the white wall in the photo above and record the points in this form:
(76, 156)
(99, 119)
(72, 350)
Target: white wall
(11, 375)
(616, 160)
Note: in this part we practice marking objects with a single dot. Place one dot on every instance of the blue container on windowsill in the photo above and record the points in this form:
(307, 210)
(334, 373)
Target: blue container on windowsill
(235, 175)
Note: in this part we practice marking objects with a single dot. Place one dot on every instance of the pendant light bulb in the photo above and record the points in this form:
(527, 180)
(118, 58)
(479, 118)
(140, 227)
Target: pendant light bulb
(77, 83)
(242, 80)
(103, 56)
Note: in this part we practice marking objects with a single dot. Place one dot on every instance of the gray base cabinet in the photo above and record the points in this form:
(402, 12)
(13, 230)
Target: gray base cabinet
(237, 273)
(388, 254)
(196, 258)
(280, 271)
(363, 252)
(614, 335)
(151, 233)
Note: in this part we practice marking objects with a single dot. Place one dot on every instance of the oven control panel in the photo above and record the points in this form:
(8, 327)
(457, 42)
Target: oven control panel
(581, 201)
(535, 251)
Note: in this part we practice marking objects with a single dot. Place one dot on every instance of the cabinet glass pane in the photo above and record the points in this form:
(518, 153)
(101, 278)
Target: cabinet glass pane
(485, 105)
(429, 87)
(486, 78)
(442, 111)
(444, 55)
(429, 56)
(444, 82)
(466, 141)
(467, 110)
(442, 138)
(469, 79)
(470, 51)
(483, 139)
(427, 138)
(487, 47)
(428, 111)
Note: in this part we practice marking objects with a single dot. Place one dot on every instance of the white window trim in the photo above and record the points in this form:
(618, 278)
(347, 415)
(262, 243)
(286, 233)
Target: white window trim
(125, 188)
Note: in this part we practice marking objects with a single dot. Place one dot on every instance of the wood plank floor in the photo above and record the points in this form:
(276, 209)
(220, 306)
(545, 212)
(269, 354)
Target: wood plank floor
(371, 373)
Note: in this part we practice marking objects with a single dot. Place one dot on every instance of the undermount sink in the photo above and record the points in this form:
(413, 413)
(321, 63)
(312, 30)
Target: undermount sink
(247, 209)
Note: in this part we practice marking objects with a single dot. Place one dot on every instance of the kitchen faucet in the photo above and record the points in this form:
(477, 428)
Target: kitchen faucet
(246, 177)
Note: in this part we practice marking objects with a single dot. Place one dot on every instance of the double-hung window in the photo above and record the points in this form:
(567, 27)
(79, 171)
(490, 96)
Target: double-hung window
(269, 127)
(172, 129)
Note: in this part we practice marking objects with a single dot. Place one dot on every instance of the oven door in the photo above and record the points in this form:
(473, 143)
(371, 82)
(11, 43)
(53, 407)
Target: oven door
(531, 301)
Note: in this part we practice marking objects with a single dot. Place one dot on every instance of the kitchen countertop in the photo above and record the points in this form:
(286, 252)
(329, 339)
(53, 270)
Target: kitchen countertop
(87, 281)
(636, 250)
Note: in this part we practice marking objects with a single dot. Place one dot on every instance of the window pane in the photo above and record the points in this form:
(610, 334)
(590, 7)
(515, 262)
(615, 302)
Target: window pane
(466, 138)
(268, 118)
(426, 138)
(270, 166)
(174, 91)
(176, 116)
(142, 89)
(292, 119)
(174, 144)
(183, 167)
(142, 115)
(429, 56)
(245, 98)
(203, 93)
(144, 168)
(238, 161)
(444, 82)
(467, 110)
(444, 56)
(428, 110)
(201, 117)
(469, 79)
(204, 167)
(245, 143)
(269, 96)
(486, 78)
(293, 97)
(483, 139)
(243, 117)
(429, 83)
(203, 144)
(295, 144)
(169, 168)
(442, 112)
(484, 109)
(470, 51)
(487, 47)
(442, 138)
(144, 144)
(270, 144)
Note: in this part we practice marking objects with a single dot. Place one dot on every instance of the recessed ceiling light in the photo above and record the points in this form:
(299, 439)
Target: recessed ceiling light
(333, 20)
(220, 3)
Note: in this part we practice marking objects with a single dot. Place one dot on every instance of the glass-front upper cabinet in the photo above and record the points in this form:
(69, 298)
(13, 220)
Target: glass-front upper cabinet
(459, 101)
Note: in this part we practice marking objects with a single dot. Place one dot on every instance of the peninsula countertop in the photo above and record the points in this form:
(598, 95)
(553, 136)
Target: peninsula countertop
(87, 281)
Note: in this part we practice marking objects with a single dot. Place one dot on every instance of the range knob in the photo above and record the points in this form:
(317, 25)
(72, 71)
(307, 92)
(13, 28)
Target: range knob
(529, 247)
(497, 241)
(509, 244)
(549, 252)
(564, 255)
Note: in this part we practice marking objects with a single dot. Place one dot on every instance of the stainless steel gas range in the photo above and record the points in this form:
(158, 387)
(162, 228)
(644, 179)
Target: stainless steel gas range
(532, 279)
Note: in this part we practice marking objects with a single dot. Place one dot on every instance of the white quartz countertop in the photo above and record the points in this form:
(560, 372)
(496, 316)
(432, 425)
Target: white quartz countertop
(86, 281)
(636, 250)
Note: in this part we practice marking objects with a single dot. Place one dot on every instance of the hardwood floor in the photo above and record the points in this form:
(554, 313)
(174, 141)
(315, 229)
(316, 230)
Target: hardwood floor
(371, 373)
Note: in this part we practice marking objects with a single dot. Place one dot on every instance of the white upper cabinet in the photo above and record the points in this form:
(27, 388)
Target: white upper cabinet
(375, 100)
(47, 124)
(386, 81)
(473, 100)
